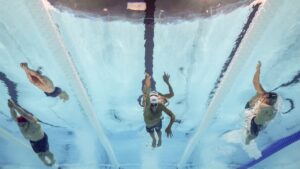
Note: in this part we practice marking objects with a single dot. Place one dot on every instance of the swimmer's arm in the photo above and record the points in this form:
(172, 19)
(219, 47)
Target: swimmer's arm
(38, 76)
(147, 90)
(256, 80)
(166, 78)
(26, 115)
(170, 114)
(170, 94)
(25, 67)
(30, 72)
(13, 113)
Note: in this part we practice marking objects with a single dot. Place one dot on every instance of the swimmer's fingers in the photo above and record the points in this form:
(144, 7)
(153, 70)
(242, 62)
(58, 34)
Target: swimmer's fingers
(23, 64)
(147, 75)
(258, 65)
(166, 77)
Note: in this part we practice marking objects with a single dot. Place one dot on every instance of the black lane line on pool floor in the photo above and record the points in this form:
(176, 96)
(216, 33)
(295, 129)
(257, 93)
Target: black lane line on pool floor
(294, 81)
(149, 23)
(292, 106)
(149, 40)
(11, 87)
(233, 51)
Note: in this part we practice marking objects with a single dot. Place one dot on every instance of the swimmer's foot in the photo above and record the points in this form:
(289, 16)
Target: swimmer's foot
(153, 143)
(159, 143)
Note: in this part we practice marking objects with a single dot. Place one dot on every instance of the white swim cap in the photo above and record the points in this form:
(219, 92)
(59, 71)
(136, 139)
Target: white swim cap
(154, 97)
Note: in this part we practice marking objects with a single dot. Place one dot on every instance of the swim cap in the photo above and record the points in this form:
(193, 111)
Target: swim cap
(272, 95)
(21, 119)
(153, 97)
(272, 98)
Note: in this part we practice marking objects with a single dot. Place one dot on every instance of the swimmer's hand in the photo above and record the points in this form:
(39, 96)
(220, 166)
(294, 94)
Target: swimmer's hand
(147, 76)
(169, 132)
(166, 77)
(258, 65)
(10, 103)
(24, 65)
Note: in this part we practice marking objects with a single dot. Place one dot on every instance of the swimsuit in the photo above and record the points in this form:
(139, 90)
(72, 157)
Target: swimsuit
(156, 127)
(255, 128)
(40, 145)
(57, 91)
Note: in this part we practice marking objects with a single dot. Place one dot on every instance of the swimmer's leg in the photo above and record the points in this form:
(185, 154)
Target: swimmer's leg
(47, 158)
(249, 137)
(159, 138)
(153, 139)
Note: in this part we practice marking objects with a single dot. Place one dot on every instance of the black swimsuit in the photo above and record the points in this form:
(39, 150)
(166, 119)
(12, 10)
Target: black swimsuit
(41, 145)
(255, 128)
(57, 91)
(157, 127)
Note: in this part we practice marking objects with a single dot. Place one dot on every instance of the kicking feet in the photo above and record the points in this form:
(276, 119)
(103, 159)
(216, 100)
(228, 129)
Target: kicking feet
(153, 143)
(159, 143)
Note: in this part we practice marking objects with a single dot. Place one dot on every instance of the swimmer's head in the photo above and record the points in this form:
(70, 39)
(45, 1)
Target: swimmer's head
(271, 98)
(39, 71)
(154, 100)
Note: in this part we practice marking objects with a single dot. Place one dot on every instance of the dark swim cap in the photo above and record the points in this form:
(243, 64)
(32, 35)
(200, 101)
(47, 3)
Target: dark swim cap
(272, 95)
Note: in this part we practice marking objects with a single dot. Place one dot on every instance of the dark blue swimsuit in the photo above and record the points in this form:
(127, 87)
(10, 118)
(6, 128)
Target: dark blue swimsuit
(57, 91)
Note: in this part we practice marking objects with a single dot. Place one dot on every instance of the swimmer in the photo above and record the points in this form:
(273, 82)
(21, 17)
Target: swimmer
(44, 83)
(261, 109)
(153, 112)
(32, 131)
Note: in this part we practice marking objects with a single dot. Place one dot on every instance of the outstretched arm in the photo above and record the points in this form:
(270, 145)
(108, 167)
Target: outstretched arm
(166, 78)
(13, 113)
(172, 120)
(147, 90)
(29, 73)
(256, 81)
(22, 112)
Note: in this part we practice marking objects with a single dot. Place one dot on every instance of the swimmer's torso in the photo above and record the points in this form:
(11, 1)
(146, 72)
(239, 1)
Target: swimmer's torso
(265, 113)
(32, 131)
(262, 112)
(46, 85)
(152, 118)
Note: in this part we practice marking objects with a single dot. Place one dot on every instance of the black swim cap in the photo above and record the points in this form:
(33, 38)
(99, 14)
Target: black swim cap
(271, 95)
